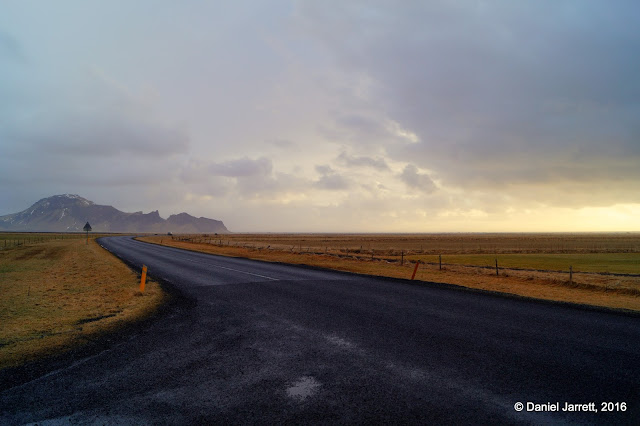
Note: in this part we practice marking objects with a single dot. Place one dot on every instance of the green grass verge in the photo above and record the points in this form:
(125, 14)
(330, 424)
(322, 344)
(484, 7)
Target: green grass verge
(618, 263)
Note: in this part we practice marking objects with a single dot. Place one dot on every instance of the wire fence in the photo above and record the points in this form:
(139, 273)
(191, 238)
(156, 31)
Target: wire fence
(397, 256)
(14, 240)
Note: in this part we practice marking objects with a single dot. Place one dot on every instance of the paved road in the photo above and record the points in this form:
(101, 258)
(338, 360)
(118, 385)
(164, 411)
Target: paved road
(271, 343)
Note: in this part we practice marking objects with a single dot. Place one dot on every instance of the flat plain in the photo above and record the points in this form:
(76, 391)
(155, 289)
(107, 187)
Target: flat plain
(600, 269)
(447, 243)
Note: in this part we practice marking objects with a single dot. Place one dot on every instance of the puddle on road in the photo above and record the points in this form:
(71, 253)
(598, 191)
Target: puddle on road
(303, 388)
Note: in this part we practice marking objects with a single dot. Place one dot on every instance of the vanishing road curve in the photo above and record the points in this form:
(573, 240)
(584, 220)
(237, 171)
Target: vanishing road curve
(259, 342)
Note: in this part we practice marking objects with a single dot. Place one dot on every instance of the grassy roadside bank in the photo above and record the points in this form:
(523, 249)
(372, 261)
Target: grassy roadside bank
(618, 292)
(61, 294)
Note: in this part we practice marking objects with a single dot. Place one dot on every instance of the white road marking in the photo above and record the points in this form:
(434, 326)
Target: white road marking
(161, 250)
(236, 270)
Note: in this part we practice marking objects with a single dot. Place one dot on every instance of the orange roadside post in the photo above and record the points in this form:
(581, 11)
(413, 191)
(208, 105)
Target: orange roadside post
(143, 279)
(415, 270)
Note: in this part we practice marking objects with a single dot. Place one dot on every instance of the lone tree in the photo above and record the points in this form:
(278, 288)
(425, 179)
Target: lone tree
(87, 228)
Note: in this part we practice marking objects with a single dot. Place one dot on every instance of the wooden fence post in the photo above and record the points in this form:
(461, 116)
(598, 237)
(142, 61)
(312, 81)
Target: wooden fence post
(570, 275)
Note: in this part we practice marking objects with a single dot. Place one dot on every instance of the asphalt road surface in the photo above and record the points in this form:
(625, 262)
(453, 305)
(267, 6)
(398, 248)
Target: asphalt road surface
(268, 343)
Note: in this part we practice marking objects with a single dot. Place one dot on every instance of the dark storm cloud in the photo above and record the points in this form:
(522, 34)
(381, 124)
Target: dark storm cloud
(498, 91)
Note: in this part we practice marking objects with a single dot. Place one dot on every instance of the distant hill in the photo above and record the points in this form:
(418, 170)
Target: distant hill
(69, 213)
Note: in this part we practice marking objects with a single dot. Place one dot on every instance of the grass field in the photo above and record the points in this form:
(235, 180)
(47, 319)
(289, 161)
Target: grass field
(396, 255)
(392, 244)
(605, 253)
(60, 293)
(9, 240)
(617, 263)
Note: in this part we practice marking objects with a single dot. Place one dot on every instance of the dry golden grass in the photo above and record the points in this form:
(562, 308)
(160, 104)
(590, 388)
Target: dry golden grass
(10, 240)
(617, 292)
(458, 243)
(59, 294)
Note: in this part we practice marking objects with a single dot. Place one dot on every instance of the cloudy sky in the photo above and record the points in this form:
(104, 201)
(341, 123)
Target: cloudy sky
(328, 116)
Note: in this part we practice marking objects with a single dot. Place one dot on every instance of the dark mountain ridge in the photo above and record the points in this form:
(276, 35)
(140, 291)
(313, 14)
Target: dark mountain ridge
(69, 213)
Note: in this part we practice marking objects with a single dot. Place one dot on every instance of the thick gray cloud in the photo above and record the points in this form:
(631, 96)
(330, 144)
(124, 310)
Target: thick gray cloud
(332, 182)
(415, 180)
(243, 178)
(96, 140)
(515, 109)
(271, 188)
(363, 129)
(330, 179)
(497, 92)
(242, 167)
(101, 132)
(281, 143)
(362, 161)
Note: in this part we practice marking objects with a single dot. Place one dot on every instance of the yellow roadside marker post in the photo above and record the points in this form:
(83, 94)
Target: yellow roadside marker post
(143, 279)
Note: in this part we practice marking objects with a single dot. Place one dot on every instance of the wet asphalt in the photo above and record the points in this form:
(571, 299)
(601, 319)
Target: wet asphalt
(255, 342)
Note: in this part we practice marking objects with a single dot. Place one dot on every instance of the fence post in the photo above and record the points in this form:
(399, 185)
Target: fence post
(570, 275)
(497, 274)
(440, 260)
(401, 257)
